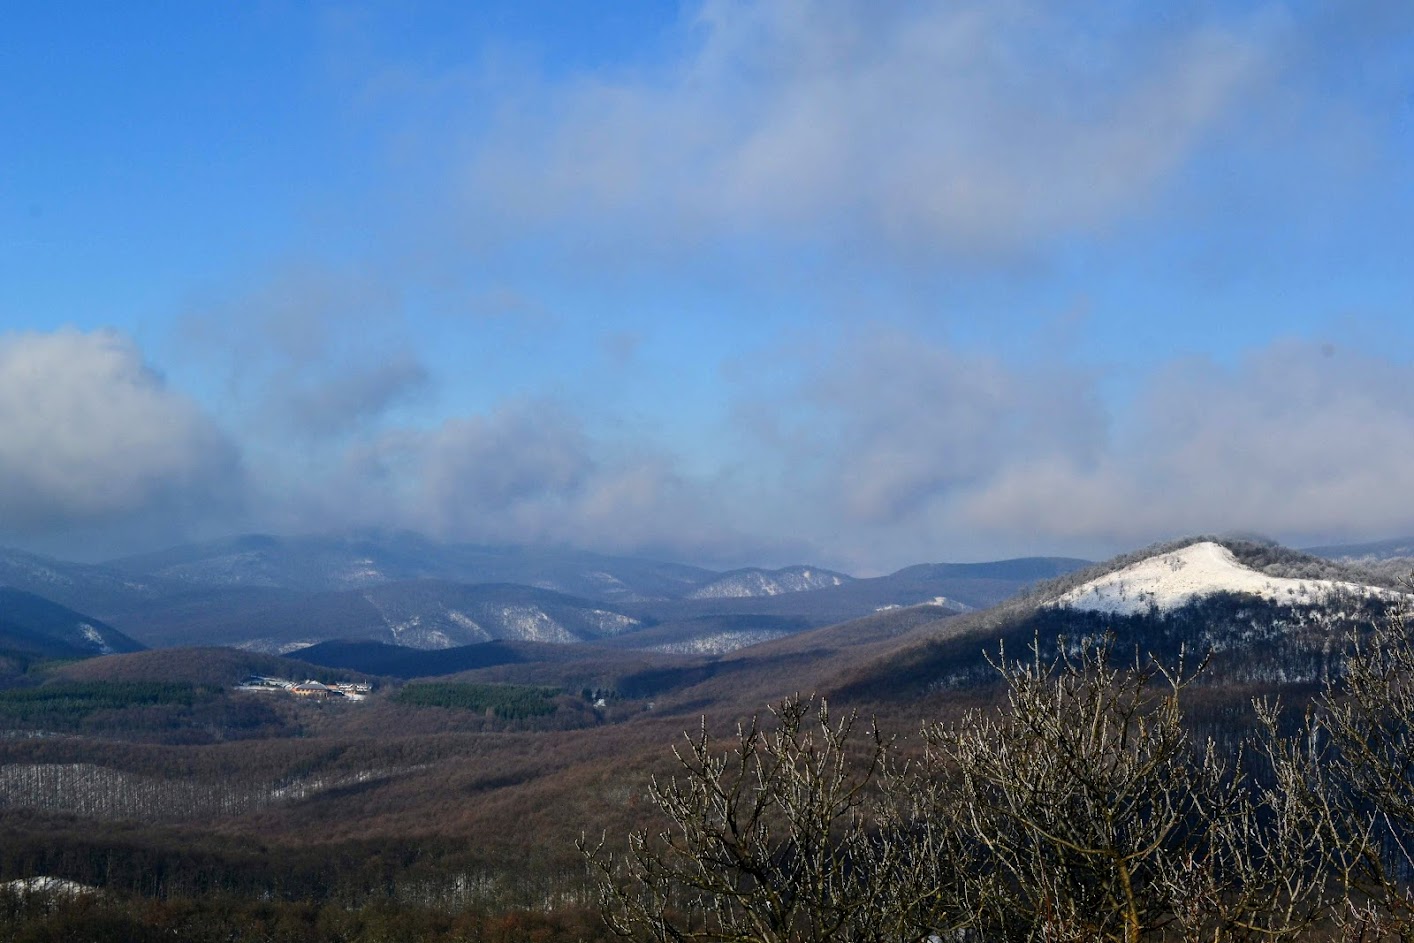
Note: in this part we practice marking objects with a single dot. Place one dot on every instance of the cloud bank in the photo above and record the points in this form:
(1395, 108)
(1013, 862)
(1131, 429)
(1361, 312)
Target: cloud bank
(894, 450)
(91, 435)
(917, 451)
(890, 452)
(529, 471)
(1295, 439)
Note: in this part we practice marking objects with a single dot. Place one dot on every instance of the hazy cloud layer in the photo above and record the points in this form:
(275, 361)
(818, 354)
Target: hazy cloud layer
(312, 350)
(357, 392)
(973, 126)
(529, 472)
(916, 421)
(1295, 439)
(90, 435)
(894, 451)
(897, 450)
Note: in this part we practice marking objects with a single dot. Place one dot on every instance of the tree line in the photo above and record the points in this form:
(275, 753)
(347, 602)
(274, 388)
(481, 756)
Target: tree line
(506, 701)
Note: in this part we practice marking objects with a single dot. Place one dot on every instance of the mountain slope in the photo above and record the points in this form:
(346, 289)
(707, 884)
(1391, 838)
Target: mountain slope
(210, 666)
(278, 593)
(398, 661)
(80, 586)
(1169, 581)
(1199, 596)
(712, 634)
(958, 586)
(33, 625)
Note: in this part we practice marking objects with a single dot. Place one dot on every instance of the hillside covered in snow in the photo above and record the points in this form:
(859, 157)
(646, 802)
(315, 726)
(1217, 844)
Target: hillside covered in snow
(1172, 580)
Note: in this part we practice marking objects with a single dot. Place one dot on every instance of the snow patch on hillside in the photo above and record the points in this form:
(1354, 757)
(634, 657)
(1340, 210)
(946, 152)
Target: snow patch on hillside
(1173, 580)
(753, 583)
(274, 646)
(608, 582)
(470, 625)
(532, 624)
(719, 643)
(245, 568)
(361, 573)
(610, 623)
(942, 601)
(44, 884)
(33, 571)
(93, 635)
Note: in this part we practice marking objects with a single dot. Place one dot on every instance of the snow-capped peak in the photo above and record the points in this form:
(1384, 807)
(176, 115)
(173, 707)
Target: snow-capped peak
(1172, 580)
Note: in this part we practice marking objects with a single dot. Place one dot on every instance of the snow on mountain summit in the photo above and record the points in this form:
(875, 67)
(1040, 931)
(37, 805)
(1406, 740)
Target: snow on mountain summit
(1172, 580)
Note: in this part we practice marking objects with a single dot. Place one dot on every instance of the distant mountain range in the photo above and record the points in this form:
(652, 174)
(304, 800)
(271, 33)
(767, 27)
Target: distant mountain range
(1269, 617)
(1398, 548)
(80, 586)
(753, 582)
(277, 594)
(314, 564)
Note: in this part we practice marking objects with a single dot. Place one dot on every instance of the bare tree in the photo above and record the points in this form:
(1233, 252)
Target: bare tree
(1080, 809)
(803, 832)
(1092, 814)
(1367, 713)
(1078, 790)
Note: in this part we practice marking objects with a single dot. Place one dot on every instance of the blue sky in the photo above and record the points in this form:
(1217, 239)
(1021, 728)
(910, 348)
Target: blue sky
(730, 282)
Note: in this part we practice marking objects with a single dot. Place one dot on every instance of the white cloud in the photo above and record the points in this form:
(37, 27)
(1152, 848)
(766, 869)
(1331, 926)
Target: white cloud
(529, 472)
(974, 126)
(90, 434)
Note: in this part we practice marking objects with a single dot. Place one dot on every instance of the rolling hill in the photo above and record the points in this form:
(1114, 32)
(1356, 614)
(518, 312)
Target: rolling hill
(1166, 582)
